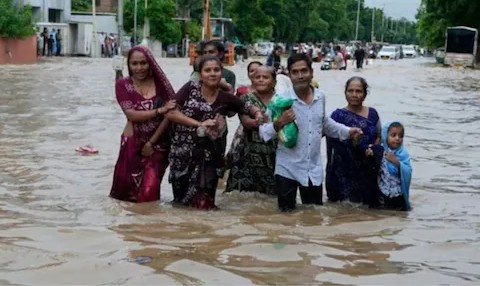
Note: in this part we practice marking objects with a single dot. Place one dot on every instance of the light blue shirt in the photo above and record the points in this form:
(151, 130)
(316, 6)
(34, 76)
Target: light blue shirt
(303, 162)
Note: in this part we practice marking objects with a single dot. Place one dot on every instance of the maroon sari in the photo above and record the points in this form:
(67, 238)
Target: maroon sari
(137, 178)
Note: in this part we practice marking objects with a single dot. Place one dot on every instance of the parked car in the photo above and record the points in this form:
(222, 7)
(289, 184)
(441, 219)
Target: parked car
(264, 48)
(409, 51)
(389, 53)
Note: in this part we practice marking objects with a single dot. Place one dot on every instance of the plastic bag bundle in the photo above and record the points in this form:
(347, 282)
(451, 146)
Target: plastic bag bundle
(289, 133)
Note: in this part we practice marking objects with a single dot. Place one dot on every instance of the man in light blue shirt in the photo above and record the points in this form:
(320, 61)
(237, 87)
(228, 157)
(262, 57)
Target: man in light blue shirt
(301, 166)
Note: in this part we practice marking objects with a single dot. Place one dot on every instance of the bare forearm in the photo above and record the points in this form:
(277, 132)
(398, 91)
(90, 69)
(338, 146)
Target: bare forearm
(178, 117)
(160, 130)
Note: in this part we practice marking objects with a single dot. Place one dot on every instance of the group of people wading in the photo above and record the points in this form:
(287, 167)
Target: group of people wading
(186, 130)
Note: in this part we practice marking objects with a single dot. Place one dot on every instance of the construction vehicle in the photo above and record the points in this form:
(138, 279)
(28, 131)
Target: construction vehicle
(219, 29)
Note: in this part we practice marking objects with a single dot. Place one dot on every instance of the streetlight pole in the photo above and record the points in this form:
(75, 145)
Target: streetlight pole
(135, 9)
(146, 26)
(373, 25)
(94, 31)
(358, 20)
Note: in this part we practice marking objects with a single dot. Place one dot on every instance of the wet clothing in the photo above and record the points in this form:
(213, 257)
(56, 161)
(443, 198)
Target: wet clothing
(137, 178)
(350, 174)
(253, 160)
(302, 163)
(394, 182)
(359, 55)
(196, 162)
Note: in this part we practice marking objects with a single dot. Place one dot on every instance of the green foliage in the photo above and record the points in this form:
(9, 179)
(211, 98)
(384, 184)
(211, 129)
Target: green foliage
(15, 21)
(313, 20)
(434, 16)
(160, 14)
(194, 31)
(81, 5)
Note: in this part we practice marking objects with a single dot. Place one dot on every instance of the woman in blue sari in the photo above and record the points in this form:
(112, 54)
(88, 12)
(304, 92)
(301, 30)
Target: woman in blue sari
(353, 165)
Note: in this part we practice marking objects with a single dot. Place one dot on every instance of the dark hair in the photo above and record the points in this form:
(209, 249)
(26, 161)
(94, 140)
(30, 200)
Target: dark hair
(217, 44)
(361, 80)
(396, 125)
(253, 63)
(208, 58)
(297, 58)
(277, 47)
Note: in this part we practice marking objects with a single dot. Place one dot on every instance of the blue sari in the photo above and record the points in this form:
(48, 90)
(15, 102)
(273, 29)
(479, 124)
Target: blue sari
(350, 175)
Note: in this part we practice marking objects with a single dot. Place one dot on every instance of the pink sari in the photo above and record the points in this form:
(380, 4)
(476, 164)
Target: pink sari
(137, 178)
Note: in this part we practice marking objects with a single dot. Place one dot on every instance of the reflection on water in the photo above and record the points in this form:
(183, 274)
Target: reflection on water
(59, 227)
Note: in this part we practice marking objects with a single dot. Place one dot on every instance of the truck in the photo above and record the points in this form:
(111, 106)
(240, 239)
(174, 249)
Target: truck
(461, 46)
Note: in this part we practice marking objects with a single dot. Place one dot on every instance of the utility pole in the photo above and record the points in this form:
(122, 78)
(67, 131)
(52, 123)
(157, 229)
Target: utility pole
(373, 25)
(358, 20)
(93, 50)
(135, 9)
(120, 26)
(146, 26)
(383, 22)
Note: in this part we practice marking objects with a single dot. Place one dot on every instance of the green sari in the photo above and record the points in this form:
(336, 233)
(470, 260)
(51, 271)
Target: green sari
(252, 160)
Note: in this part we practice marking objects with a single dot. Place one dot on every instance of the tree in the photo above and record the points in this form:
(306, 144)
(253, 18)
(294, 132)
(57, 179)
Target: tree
(434, 16)
(15, 20)
(160, 14)
(82, 5)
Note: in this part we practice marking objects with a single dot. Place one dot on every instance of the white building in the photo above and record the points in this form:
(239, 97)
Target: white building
(50, 11)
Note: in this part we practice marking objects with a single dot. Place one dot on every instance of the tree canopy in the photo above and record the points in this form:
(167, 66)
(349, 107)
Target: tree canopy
(15, 20)
(285, 21)
(160, 14)
(434, 16)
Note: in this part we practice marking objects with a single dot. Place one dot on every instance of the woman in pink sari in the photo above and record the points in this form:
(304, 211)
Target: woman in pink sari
(144, 96)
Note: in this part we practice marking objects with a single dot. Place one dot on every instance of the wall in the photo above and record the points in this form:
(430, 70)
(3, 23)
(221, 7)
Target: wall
(16, 51)
(107, 6)
(44, 5)
(105, 23)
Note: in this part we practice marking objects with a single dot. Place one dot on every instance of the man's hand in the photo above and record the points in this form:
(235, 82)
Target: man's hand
(286, 117)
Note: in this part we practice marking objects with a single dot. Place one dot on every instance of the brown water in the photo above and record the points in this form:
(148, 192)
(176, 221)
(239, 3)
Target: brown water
(58, 226)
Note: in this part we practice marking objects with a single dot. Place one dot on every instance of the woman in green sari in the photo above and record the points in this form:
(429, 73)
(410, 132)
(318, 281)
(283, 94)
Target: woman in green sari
(253, 160)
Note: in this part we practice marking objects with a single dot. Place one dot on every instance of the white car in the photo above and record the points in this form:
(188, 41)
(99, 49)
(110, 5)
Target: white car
(264, 48)
(409, 52)
(389, 53)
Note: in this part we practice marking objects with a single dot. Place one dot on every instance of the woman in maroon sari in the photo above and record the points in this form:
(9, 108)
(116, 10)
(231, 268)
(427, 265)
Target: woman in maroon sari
(144, 96)
(198, 145)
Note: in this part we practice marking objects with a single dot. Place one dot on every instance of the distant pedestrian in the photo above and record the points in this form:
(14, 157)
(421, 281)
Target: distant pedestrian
(59, 39)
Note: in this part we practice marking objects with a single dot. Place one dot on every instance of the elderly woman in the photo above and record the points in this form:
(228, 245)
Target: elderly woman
(244, 89)
(198, 145)
(353, 166)
(254, 160)
(144, 98)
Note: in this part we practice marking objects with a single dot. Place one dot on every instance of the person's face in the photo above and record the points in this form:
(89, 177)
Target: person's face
(263, 80)
(251, 70)
(355, 94)
(278, 52)
(211, 73)
(211, 50)
(395, 137)
(139, 66)
(301, 75)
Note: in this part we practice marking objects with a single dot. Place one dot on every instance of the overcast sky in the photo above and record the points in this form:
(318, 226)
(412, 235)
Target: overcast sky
(396, 8)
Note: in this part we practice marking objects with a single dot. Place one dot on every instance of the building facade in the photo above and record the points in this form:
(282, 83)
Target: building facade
(106, 6)
(50, 11)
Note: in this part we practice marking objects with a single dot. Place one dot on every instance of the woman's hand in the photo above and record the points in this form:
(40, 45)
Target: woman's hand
(208, 123)
(147, 149)
(170, 105)
(369, 151)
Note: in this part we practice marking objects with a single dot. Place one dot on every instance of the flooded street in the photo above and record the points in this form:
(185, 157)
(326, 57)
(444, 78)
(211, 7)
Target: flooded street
(58, 226)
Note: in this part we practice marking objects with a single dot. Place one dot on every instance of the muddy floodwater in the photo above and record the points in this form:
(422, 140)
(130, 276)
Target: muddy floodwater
(58, 226)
